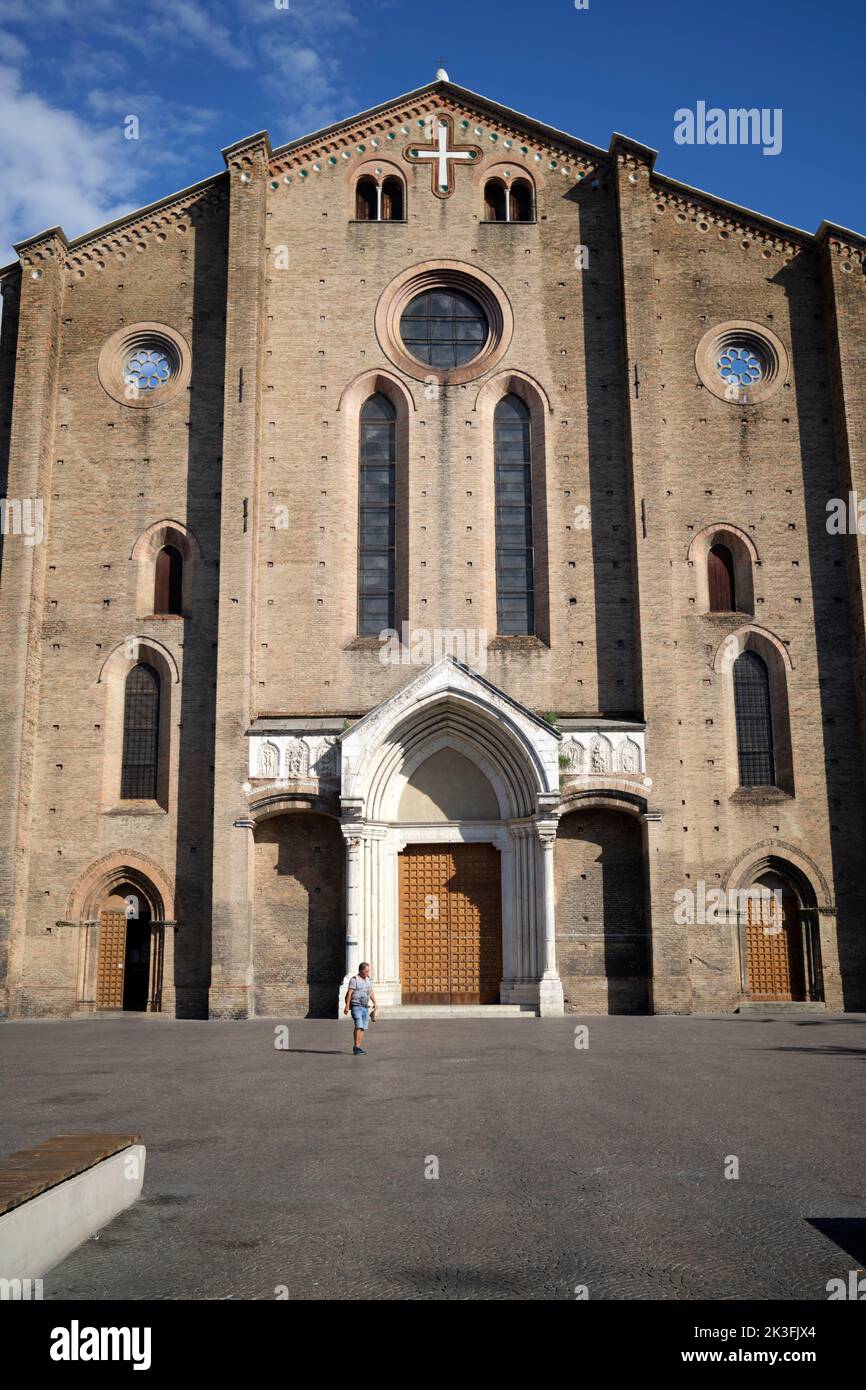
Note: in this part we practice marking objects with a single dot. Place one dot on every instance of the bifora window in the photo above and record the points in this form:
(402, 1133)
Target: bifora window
(376, 530)
(514, 559)
(138, 779)
(444, 328)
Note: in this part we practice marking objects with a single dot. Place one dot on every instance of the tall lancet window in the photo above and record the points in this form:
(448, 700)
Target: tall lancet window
(376, 531)
(754, 721)
(138, 778)
(515, 614)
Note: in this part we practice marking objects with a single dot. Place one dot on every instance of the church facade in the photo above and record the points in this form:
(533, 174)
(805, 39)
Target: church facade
(418, 547)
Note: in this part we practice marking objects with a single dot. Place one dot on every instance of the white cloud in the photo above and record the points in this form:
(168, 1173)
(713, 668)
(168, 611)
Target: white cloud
(311, 16)
(82, 65)
(181, 20)
(164, 30)
(55, 169)
(309, 87)
(166, 128)
(12, 50)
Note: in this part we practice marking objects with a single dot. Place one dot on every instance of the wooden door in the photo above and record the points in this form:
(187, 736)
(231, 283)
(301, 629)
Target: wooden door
(111, 960)
(774, 948)
(450, 925)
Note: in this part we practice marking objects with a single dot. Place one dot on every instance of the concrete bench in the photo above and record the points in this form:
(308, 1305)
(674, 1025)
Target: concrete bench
(60, 1193)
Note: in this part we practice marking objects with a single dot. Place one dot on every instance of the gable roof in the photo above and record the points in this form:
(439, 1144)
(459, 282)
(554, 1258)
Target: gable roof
(442, 87)
(439, 87)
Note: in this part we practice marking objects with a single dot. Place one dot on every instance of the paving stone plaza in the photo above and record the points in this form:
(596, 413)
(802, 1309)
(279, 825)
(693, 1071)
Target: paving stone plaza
(305, 1173)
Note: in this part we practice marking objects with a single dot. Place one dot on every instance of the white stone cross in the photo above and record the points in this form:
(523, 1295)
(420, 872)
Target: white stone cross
(442, 154)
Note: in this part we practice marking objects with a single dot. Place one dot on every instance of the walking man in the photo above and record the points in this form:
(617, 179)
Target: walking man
(359, 996)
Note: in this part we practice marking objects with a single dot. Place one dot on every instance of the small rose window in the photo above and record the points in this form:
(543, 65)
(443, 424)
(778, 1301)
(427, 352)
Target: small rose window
(144, 365)
(740, 365)
(148, 368)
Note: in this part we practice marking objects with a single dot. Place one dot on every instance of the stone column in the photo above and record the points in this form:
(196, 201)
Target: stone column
(231, 989)
(370, 908)
(510, 918)
(551, 1003)
(36, 290)
(354, 841)
(392, 992)
(522, 961)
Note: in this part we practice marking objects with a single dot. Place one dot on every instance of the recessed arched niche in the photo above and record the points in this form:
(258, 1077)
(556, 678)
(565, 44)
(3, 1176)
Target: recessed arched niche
(447, 787)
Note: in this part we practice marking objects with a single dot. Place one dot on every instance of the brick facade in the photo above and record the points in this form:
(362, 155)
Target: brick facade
(266, 275)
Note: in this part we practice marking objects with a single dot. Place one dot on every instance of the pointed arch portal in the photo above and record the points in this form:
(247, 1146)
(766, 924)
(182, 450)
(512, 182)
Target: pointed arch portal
(449, 791)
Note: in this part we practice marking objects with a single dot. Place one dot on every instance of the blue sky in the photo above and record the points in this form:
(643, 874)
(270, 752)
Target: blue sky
(201, 75)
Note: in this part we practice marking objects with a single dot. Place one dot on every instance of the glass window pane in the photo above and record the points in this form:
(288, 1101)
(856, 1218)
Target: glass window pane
(438, 318)
(513, 480)
(377, 484)
(378, 407)
(377, 441)
(376, 526)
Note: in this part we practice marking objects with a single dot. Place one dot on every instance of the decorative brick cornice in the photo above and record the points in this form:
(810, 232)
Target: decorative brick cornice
(149, 229)
(704, 214)
(45, 246)
(139, 230)
(502, 134)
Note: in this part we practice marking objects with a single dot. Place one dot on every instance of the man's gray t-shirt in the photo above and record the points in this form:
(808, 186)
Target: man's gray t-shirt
(362, 988)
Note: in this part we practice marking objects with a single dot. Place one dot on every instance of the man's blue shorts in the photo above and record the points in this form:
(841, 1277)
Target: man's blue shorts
(360, 1015)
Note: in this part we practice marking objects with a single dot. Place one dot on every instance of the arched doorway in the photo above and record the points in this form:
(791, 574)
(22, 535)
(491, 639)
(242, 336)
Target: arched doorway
(778, 941)
(602, 943)
(124, 905)
(449, 762)
(123, 964)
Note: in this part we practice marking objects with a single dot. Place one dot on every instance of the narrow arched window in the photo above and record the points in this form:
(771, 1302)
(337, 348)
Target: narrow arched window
(168, 581)
(514, 557)
(754, 721)
(392, 200)
(367, 200)
(521, 201)
(720, 576)
(495, 201)
(138, 778)
(377, 533)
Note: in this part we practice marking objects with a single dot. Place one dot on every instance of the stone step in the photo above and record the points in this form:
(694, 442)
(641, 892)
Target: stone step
(782, 1006)
(401, 1011)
